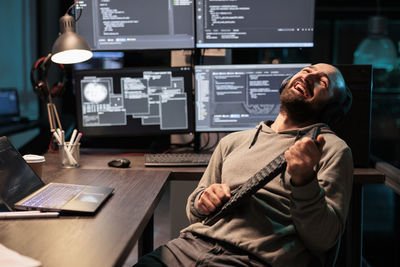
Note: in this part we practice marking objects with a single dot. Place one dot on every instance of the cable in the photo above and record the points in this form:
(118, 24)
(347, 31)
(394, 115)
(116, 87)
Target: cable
(206, 144)
(205, 148)
(80, 10)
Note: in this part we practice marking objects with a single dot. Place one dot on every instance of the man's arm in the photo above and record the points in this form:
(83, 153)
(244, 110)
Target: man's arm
(320, 199)
(215, 195)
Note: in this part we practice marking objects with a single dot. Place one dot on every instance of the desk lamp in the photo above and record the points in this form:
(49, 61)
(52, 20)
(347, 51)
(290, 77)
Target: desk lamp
(69, 48)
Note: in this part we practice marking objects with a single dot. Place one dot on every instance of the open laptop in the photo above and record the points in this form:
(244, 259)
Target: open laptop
(9, 106)
(22, 189)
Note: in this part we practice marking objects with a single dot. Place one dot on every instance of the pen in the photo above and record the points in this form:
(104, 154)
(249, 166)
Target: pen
(62, 137)
(71, 141)
(76, 142)
(57, 137)
(27, 214)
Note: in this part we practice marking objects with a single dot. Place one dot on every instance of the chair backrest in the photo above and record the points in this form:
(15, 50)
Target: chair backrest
(332, 255)
(358, 120)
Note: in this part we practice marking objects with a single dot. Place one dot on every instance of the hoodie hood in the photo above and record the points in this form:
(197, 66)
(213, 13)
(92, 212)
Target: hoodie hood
(264, 127)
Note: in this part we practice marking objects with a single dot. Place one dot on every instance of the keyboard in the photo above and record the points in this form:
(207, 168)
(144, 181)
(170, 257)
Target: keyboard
(54, 196)
(176, 159)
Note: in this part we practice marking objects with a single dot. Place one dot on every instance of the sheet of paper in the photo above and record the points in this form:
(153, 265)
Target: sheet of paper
(10, 258)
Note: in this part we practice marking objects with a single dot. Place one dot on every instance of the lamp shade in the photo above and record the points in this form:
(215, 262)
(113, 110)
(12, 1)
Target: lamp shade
(69, 48)
(377, 49)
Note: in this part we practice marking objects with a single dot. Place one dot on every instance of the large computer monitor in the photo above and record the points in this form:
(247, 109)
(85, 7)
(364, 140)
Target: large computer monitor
(134, 102)
(237, 97)
(139, 24)
(249, 23)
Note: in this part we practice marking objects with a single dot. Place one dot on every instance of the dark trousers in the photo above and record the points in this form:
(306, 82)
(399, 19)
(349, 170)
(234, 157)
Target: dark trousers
(194, 250)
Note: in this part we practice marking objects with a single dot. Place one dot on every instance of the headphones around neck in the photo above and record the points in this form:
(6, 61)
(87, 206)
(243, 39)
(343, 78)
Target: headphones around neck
(335, 110)
(40, 84)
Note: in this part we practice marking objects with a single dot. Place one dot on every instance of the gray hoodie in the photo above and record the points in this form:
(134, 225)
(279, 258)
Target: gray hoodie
(281, 224)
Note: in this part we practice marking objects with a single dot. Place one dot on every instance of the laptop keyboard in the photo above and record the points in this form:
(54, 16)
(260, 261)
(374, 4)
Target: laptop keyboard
(54, 196)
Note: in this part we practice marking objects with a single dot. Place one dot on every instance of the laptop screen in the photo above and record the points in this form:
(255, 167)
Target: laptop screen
(9, 102)
(17, 179)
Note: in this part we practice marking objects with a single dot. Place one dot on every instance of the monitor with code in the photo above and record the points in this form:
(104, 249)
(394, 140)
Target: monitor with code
(136, 25)
(237, 97)
(248, 23)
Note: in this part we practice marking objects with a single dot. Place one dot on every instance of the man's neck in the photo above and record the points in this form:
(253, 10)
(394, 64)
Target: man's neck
(283, 122)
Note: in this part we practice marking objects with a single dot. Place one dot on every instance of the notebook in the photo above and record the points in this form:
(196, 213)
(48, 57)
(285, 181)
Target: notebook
(22, 189)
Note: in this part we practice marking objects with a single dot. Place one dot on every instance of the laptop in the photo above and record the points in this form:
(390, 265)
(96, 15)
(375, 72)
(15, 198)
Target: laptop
(22, 189)
(9, 106)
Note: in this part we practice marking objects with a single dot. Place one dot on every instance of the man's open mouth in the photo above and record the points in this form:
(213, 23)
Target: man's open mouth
(303, 88)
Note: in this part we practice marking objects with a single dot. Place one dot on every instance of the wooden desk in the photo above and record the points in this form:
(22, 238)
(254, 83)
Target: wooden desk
(105, 239)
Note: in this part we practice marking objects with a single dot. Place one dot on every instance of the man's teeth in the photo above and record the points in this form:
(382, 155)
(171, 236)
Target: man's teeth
(301, 89)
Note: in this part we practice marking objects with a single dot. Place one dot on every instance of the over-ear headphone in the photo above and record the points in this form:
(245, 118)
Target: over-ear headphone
(335, 110)
(284, 83)
(40, 85)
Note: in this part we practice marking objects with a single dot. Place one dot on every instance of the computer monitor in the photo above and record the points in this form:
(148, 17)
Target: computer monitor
(9, 105)
(140, 24)
(237, 97)
(247, 23)
(134, 102)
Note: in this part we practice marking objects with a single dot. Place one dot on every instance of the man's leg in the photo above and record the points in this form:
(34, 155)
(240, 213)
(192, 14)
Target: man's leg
(160, 257)
(177, 252)
(190, 250)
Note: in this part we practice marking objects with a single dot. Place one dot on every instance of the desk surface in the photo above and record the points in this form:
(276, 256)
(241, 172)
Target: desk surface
(99, 161)
(105, 239)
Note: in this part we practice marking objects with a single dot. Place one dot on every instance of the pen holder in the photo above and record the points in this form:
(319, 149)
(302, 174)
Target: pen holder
(69, 155)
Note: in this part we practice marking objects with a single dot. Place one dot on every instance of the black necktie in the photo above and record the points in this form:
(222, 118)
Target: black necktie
(256, 182)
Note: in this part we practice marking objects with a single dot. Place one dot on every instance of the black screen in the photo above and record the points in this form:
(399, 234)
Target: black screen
(17, 179)
(139, 24)
(238, 97)
(134, 102)
(250, 23)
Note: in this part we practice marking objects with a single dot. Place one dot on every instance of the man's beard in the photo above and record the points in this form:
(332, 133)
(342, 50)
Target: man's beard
(298, 110)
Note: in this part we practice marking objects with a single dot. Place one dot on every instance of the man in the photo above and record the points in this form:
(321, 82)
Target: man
(296, 217)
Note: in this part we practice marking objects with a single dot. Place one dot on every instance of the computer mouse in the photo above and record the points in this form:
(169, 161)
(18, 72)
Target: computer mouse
(119, 163)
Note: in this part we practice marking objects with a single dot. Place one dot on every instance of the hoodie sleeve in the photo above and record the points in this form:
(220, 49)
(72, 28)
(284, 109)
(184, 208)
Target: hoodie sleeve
(319, 208)
(212, 175)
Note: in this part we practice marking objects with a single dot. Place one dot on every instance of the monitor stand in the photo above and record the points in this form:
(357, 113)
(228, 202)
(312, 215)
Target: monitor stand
(139, 144)
(197, 142)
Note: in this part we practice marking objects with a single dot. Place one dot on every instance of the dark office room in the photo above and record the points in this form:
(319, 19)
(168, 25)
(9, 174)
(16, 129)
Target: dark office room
(144, 119)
